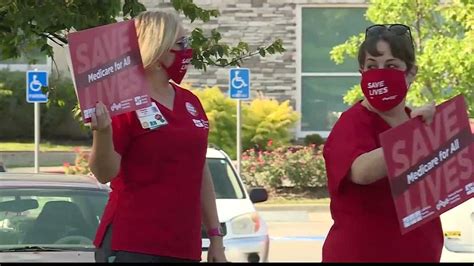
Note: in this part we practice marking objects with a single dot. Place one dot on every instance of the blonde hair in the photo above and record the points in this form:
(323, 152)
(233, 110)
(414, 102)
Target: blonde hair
(157, 32)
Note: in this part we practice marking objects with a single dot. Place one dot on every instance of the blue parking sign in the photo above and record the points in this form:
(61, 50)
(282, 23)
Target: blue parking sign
(35, 81)
(239, 83)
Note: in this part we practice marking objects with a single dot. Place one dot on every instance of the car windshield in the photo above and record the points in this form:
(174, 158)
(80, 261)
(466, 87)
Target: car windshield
(49, 217)
(226, 183)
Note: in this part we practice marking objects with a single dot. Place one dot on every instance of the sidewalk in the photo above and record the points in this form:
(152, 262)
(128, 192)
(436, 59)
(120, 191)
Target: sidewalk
(293, 207)
(291, 213)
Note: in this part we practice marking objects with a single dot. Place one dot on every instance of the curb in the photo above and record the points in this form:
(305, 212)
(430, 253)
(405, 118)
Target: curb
(294, 207)
(24, 159)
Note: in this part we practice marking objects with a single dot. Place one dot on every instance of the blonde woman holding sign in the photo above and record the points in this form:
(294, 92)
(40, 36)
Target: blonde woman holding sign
(155, 161)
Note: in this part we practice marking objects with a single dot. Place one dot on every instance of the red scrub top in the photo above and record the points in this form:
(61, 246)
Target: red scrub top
(365, 225)
(155, 205)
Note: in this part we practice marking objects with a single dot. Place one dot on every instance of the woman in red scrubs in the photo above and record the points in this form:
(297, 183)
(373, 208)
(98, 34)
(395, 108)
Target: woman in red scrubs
(365, 225)
(155, 160)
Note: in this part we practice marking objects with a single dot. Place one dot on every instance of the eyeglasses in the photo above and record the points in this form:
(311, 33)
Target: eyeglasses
(184, 42)
(398, 29)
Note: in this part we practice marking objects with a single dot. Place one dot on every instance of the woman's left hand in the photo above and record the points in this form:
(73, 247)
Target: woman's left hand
(216, 253)
(426, 112)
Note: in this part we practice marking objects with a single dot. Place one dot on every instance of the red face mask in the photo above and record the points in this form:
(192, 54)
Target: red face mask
(178, 69)
(384, 88)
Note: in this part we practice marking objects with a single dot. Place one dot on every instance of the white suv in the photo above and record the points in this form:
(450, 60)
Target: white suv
(246, 235)
(458, 227)
(245, 232)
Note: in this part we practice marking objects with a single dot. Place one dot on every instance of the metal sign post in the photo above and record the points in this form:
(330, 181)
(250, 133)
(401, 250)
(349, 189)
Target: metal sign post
(239, 89)
(35, 81)
(37, 135)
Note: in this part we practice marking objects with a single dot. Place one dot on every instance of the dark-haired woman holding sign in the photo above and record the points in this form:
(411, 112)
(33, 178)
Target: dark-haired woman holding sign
(366, 227)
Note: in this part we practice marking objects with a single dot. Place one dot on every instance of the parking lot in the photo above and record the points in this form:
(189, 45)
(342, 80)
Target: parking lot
(297, 236)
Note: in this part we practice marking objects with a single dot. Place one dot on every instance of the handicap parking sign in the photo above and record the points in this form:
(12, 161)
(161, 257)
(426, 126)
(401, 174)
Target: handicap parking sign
(239, 83)
(35, 81)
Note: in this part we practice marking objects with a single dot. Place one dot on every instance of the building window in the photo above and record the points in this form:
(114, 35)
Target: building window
(322, 83)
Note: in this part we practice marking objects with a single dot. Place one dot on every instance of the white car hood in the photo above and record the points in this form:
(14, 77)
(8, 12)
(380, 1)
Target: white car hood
(62, 256)
(228, 209)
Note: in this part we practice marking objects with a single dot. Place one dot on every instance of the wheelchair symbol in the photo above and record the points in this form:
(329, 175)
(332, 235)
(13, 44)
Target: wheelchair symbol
(238, 80)
(35, 84)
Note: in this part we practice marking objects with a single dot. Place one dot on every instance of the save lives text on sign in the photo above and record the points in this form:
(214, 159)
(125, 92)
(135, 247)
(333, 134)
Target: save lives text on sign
(430, 167)
(107, 67)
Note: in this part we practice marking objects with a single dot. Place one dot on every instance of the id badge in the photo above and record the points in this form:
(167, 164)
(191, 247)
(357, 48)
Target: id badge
(151, 117)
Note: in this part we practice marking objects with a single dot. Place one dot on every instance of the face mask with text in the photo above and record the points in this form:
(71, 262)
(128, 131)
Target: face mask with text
(178, 69)
(384, 88)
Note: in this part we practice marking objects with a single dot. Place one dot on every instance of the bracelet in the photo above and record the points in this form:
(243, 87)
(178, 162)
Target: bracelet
(214, 232)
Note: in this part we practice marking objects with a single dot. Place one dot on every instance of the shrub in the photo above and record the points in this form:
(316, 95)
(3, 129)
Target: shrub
(313, 139)
(297, 166)
(221, 112)
(81, 164)
(262, 120)
(265, 120)
(263, 168)
(305, 167)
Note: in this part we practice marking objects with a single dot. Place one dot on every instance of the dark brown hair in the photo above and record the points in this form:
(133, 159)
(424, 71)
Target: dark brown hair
(401, 47)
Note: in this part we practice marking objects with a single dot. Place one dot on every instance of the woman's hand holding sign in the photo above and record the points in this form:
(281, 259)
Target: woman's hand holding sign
(100, 120)
(370, 167)
(104, 161)
(426, 112)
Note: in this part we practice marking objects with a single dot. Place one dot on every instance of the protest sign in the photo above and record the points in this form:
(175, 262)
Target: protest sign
(106, 66)
(430, 167)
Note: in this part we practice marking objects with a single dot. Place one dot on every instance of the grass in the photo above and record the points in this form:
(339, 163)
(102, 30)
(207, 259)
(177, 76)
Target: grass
(44, 146)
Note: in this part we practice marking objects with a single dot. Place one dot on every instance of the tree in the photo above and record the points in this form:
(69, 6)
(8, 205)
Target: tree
(28, 25)
(444, 43)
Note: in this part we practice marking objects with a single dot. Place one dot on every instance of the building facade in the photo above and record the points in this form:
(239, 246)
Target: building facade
(304, 73)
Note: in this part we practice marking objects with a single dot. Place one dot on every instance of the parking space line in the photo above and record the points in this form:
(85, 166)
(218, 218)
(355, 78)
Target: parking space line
(298, 238)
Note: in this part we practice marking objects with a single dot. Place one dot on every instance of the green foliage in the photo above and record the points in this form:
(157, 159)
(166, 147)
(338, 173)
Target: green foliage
(132, 7)
(263, 120)
(193, 12)
(304, 167)
(348, 48)
(221, 112)
(353, 95)
(58, 111)
(14, 110)
(263, 168)
(313, 139)
(27, 25)
(56, 118)
(444, 41)
(299, 167)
